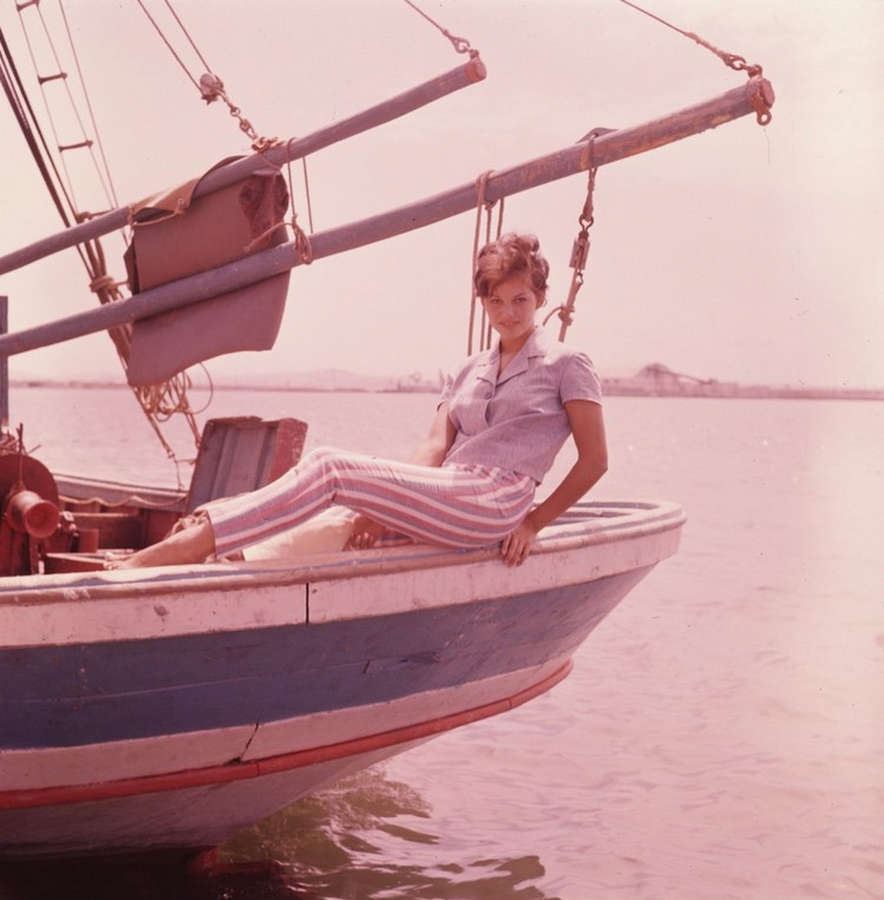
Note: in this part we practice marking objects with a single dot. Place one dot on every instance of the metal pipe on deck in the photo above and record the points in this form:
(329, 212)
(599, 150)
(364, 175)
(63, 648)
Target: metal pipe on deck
(606, 149)
(295, 148)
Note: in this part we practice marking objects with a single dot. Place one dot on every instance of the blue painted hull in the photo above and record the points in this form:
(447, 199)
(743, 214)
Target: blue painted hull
(110, 691)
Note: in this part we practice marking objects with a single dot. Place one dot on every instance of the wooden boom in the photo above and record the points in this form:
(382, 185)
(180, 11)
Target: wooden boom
(295, 148)
(754, 96)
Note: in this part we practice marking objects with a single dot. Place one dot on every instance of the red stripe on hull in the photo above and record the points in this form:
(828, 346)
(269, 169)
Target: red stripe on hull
(18, 799)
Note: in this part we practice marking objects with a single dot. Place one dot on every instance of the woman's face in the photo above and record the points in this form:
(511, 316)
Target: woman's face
(511, 305)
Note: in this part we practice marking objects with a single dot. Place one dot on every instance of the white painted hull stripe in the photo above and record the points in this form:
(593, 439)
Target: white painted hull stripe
(18, 799)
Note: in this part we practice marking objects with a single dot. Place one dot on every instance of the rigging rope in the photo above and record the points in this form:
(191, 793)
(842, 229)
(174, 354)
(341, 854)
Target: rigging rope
(303, 247)
(210, 85)
(28, 123)
(462, 45)
(484, 327)
(196, 49)
(160, 401)
(306, 193)
(103, 178)
(731, 60)
(110, 183)
(166, 41)
(69, 191)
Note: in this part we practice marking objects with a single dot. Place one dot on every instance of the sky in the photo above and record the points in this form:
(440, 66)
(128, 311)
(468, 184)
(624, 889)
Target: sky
(745, 254)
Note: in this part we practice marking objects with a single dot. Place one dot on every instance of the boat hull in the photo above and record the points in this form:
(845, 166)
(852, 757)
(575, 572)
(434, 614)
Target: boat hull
(166, 709)
(195, 809)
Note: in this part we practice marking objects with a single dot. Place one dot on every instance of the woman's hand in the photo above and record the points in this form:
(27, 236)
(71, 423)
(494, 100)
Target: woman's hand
(364, 533)
(516, 546)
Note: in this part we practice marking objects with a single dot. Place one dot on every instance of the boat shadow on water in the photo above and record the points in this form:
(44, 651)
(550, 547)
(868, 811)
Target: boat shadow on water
(341, 842)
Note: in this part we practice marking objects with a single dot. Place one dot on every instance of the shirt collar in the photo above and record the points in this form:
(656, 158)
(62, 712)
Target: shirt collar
(488, 366)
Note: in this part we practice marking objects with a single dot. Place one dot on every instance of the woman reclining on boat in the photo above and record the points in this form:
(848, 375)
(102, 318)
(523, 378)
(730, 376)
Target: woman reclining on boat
(498, 427)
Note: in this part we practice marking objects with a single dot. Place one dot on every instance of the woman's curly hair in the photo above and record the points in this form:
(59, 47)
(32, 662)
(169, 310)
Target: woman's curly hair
(510, 254)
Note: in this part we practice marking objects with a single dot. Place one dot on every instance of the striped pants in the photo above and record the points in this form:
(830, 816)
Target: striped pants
(456, 506)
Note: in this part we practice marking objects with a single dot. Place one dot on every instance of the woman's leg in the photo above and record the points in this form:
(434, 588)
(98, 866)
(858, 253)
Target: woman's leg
(453, 506)
(191, 544)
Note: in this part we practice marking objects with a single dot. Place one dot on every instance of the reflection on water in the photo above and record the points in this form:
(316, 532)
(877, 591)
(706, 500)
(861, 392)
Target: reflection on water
(335, 844)
(101, 881)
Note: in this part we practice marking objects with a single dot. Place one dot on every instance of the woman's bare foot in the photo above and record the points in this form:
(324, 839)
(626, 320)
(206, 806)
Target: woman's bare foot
(191, 545)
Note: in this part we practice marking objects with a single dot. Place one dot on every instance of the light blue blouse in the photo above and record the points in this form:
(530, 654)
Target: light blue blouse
(517, 420)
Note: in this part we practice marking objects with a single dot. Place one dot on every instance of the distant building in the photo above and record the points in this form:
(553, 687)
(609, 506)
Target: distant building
(658, 380)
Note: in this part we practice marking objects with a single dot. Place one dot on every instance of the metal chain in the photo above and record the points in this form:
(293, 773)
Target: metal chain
(211, 89)
(580, 247)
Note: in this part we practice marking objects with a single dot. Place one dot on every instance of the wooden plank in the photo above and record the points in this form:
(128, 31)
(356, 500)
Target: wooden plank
(72, 562)
(241, 454)
(115, 529)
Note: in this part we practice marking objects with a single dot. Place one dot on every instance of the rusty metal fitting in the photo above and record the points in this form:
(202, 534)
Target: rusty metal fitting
(211, 87)
(476, 68)
(762, 99)
(28, 512)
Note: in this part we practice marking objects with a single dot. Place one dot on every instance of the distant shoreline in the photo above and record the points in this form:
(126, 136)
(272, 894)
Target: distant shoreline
(610, 388)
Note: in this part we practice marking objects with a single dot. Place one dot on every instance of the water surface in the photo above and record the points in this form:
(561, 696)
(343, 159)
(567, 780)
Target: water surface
(721, 734)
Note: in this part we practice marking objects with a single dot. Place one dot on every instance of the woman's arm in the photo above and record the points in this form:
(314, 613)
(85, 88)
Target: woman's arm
(588, 428)
(432, 450)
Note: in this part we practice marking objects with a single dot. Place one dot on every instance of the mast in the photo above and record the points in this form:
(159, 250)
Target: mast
(754, 96)
(295, 148)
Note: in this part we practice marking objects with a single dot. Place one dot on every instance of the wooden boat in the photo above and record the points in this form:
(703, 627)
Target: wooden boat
(165, 708)
(162, 709)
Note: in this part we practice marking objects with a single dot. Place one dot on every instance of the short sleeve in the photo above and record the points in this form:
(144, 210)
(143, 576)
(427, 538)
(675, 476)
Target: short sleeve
(447, 390)
(580, 381)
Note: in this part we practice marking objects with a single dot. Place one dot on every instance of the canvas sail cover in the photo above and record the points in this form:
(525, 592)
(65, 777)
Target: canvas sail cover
(174, 236)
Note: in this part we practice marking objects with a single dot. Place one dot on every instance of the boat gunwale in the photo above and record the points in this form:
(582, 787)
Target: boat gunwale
(647, 518)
